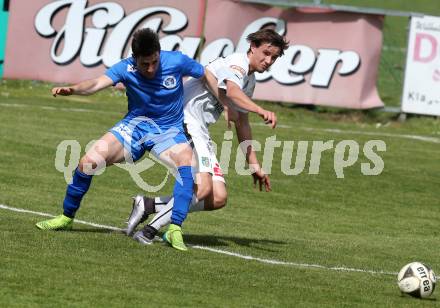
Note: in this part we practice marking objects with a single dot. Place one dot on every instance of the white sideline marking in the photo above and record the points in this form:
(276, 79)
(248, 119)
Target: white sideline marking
(59, 108)
(276, 262)
(394, 48)
(14, 209)
(340, 131)
(224, 252)
(330, 130)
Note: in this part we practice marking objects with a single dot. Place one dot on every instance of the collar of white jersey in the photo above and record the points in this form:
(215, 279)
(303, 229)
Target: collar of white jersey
(245, 56)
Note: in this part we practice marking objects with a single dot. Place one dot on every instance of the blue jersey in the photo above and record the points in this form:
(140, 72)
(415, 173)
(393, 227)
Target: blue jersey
(160, 98)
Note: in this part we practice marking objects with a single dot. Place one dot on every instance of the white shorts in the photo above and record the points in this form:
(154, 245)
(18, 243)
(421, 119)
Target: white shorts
(204, 149)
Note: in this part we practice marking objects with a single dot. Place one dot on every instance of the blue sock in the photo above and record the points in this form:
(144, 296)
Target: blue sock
(75, 192)
(182, 195)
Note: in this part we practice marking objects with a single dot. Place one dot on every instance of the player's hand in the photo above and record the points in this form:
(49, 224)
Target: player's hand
(64, 91)
(262, 179)
(268, 116)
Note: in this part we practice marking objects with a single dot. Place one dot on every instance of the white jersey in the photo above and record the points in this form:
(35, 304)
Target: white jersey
(202, 108)
(200, 105)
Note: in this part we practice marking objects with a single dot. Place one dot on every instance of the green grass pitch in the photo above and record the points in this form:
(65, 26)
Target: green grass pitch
(370, 223)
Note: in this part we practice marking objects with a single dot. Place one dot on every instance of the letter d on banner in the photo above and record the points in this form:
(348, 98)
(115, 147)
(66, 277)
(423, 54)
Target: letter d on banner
(425, 49)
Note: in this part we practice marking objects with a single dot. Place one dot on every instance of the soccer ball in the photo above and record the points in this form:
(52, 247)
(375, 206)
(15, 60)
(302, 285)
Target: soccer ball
(416, 279)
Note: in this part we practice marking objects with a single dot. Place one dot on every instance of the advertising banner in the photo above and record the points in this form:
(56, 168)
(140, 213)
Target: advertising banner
(421, 90)
(73, 40)
(332, 60)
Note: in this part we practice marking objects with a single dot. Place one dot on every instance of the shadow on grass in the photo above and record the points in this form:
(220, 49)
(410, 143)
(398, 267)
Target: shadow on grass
(96, 230)
(428, 299)
(213, 240)
(203, 240)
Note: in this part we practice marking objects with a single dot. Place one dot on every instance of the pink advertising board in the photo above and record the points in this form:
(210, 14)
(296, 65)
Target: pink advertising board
(332, 60)
(72, 40)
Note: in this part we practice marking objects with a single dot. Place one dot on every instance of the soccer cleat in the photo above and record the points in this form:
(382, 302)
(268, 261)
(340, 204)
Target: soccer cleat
(141, 238)
(60, 222)
(146, 236)
(142, 207)
(173, 236)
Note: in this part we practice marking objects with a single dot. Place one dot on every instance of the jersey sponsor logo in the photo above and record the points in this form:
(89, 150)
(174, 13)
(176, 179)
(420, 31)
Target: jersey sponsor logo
(131, 68)
(124, 131)
(237, 69)
(205, 161)
(169, 82)
(217, 170)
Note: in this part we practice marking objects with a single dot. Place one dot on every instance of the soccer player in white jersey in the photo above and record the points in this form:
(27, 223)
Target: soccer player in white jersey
(233, 79)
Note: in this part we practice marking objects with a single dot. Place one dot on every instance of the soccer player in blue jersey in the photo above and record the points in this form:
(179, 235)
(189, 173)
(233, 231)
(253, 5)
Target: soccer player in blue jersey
(231, 84)
(154, 122)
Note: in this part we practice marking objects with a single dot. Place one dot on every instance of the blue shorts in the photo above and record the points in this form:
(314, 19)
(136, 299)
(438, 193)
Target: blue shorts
(141, 134)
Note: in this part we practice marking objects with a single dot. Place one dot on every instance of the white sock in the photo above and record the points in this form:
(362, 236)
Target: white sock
(161, 202)
(163, 216)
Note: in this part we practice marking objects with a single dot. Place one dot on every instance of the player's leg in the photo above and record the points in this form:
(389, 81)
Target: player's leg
(143, 206)
(203, 190)
(163, 216)
(204, 160)
(172, 148)
(210, 194)
(219, 195)
(202, 146)
(181, 155)
(216, 199)
(105, 152)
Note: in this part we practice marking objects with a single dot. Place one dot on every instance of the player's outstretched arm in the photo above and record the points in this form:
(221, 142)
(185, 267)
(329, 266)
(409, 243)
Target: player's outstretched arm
(234, 95)
(239, 98)
(211, 83)
(86, 87)
(244, 133)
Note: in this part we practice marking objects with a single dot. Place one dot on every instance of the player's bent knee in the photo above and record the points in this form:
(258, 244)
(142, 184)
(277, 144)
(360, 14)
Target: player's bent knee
(181, 154)
(220, 201)
(204, 190)
(220, 196)
(89, 166)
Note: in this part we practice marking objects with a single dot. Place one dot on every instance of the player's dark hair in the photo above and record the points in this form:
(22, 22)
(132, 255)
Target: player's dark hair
(145, 43)
(268, 36)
